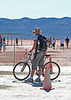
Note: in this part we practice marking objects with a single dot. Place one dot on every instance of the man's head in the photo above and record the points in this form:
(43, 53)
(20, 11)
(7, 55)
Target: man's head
(37, 31)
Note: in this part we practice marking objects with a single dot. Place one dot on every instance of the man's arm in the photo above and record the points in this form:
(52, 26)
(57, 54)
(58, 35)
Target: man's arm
(34, 46)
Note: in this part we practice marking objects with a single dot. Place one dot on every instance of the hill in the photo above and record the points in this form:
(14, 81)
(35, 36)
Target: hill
(57, 27)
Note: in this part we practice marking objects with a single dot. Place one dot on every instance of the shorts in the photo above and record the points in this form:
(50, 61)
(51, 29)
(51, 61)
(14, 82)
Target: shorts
(38, 61)
(53, 44)
(3, 41)
(62, 44)
(0, 45)
(67, 43)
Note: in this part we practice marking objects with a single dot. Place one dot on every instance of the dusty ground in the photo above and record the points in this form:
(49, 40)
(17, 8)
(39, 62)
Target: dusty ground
(9, 57)
(12, 89)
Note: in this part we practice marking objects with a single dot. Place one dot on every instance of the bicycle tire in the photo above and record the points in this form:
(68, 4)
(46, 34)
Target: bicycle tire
(54, 64)
(18, 74)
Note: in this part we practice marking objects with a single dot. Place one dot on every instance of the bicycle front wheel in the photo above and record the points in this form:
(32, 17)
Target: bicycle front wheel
(21, 71)
(54, 69)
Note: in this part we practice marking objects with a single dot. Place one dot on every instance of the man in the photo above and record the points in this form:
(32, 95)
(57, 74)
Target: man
(0, 43)
(67, 41)
(61, 43)
(17, 41)
(3, 39)
(38, 58)
(54, 43)
(50, 42)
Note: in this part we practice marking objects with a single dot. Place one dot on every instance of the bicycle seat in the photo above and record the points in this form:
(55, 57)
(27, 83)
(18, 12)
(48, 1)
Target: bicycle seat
(47, 55)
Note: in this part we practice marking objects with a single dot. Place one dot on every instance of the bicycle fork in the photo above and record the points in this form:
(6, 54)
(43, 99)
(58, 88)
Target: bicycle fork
(24, 66)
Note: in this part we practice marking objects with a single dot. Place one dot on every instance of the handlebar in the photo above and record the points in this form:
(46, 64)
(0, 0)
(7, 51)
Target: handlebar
(31, 54)
(28, 53)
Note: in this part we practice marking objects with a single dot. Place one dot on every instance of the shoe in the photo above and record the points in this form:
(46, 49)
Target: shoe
(29, 80)
(37, 80)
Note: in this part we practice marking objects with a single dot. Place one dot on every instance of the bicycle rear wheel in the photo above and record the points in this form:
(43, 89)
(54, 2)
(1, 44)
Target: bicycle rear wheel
(21, 71)
(54, 69)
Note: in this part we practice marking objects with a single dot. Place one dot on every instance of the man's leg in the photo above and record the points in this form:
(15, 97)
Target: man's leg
(39, 75)
(67, 45)
(63, 46)
(34, 64)
(31, 77)
(32, 73)
(0, 49)
(40, 71)
(41, 65)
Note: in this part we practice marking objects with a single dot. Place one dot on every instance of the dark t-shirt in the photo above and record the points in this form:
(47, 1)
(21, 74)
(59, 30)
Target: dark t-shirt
(67, 40)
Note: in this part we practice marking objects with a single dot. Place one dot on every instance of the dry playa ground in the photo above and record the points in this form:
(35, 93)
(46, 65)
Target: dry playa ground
(12, 89)
(61, 56)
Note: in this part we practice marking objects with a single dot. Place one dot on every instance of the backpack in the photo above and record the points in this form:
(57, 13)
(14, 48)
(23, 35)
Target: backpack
(41, 43)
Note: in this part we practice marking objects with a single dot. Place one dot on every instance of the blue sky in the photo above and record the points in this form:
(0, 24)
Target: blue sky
(16, 9)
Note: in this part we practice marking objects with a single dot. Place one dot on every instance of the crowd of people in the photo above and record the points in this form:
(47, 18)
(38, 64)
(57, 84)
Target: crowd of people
(2, 43)
(51, 42)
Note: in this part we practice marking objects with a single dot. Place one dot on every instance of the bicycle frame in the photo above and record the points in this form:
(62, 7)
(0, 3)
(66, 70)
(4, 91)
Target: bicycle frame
(29, 70)
(30, 54)
(29, 59)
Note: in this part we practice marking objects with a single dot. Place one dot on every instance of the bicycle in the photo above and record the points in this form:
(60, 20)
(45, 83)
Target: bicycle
(22, 70)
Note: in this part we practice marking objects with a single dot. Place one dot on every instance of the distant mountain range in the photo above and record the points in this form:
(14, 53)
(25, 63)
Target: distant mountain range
(51, 27)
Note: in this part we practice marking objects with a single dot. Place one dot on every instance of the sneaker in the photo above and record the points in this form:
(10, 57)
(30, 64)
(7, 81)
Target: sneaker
(37, 80)
(29, 80)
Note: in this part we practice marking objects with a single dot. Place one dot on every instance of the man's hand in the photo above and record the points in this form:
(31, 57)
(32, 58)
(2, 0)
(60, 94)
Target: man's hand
(45, 52)
(30, 51)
